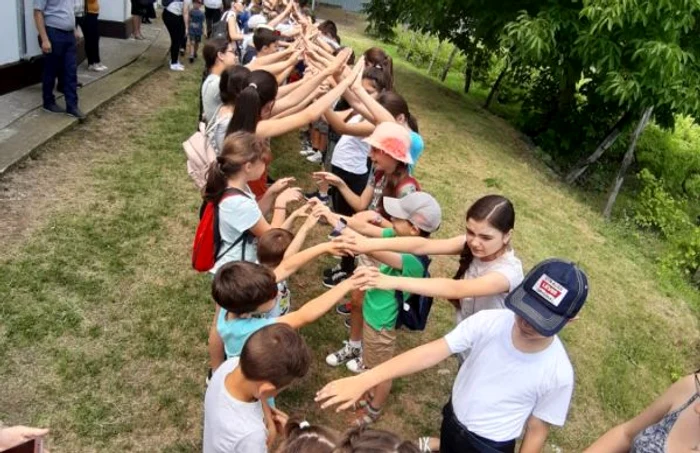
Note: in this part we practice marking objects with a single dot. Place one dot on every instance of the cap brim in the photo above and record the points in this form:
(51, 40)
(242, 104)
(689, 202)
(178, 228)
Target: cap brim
(392, 206)
(535, 312)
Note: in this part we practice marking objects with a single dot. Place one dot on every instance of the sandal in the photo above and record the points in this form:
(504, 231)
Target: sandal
(367, 416)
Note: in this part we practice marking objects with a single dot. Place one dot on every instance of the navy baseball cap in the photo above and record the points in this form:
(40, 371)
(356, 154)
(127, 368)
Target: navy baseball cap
(552, 293)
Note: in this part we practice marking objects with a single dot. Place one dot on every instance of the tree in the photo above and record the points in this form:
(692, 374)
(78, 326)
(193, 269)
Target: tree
(448, 65)
(434, 57)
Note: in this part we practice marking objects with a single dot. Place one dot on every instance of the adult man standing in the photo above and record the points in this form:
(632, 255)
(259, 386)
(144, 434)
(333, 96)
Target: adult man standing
(55, 22)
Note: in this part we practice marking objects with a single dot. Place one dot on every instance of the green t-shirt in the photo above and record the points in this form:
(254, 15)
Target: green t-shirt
(380, 308)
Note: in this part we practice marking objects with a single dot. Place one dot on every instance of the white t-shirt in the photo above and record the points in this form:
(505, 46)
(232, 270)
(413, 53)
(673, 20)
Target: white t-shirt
(213, 4)
(177, 6)
(350, 153)
(211, 99)
(498, 387)
(231, 426)
(237, 214)
(507, 265)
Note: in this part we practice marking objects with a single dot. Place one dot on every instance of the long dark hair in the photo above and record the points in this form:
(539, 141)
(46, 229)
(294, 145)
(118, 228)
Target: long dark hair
(376, 57)
(328, 28)
(211, 51)
(397, 105)
(239, 149)
(361, 439)
(232, 82)
(500, 214)
(377, 77)
(261, 88)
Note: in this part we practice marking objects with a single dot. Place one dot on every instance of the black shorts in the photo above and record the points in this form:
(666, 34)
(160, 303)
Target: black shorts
(137, 8)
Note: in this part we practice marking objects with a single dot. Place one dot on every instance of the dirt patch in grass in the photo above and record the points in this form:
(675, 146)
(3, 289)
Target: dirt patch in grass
(58, 177)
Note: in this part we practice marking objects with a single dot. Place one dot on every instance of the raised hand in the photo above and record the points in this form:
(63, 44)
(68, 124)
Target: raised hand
(343, 393)
(281, 184)
(288, 195)
(330, 178)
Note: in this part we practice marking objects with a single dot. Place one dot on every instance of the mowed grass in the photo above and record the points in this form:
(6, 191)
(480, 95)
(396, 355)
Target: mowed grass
(103, 324)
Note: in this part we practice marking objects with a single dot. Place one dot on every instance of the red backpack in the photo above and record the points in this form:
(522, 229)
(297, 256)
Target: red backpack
(207, 239)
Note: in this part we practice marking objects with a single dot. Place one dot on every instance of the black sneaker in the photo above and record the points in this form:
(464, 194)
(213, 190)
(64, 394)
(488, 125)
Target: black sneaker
(76, 113)
(331, 270)
(346, 322)
(344, 308)
(54, 108)
(333, 280)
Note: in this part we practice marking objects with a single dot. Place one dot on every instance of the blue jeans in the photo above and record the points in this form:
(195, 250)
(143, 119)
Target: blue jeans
(61, 60)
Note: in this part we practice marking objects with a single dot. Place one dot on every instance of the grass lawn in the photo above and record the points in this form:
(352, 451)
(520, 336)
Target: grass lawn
(103, 324)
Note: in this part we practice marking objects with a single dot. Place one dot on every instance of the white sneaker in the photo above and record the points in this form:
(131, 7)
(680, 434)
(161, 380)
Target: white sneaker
(356, 365)
(102, 67)
(307, 151)
(176, 67)
(343, 355)
(316, 157)
(96, 67)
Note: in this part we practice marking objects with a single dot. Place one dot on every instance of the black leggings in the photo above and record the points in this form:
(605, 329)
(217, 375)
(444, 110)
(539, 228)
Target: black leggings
(357, 184)
(456, 438)
(212, 16)
(176, 29)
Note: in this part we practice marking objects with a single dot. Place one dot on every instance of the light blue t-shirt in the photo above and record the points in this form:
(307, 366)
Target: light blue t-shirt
(283, 302)
(237, 214)
(235, 332)
(57, 13)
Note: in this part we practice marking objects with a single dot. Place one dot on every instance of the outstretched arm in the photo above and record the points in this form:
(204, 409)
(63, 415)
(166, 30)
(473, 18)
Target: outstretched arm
(318, 307)
(346, 392)
(415, 245)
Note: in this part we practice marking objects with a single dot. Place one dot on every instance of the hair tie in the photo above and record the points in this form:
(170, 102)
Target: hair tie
(304, 425)
(251, 84)
(378, 66)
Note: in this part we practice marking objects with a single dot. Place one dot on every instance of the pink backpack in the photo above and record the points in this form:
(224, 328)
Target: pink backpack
(200, 155)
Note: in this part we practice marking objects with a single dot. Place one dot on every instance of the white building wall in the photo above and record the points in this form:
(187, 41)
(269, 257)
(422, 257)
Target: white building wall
(9, 33)
(115, 10)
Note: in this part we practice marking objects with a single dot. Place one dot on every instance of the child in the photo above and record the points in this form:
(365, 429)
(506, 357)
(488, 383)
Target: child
(359, 440)
(195, 29)
(517, 376)
(245, 294)
(417, 215)
(301, 436)
(264, 43)
(234, 422)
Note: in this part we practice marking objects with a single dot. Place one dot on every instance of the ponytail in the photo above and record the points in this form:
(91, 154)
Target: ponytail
(260, 89)
(239, 149)
(412, 122)
(246, 113)
(388, 68)
(377, 58)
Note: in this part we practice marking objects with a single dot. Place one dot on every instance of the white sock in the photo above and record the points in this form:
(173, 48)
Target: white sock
(355, 344)
(323, 193)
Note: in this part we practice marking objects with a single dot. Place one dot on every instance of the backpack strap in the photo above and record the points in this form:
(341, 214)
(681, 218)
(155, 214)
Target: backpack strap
(232, 192)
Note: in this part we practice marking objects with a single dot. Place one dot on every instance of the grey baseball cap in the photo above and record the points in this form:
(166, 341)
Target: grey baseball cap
(419, 208)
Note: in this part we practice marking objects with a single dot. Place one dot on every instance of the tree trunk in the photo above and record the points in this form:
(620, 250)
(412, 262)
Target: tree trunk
(411, 46)
(496, 85)
(607, 142)
(626, 161)
(468, 74)
(448, 65)
(435, 56)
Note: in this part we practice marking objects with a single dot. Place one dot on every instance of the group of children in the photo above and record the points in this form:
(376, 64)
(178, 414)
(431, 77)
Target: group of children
(514, 376)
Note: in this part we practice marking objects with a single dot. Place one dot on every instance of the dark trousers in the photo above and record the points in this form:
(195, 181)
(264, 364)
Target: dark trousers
(211, 16)
(61, 61)
(176, 29)
(357, 184)
(456, 438)
(91, 31)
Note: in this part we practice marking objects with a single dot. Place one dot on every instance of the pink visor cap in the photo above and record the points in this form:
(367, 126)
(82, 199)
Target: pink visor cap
(393, 139)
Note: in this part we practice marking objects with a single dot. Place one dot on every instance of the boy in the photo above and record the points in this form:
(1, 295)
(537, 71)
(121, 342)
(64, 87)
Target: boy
(416, 214)
(245, 293)
(264, 42)
(195, 30)
(517, 375)
(273, 358)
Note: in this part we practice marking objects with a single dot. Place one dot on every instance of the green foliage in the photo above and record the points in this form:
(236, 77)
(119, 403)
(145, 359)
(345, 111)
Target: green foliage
(656, 209)
(674, 156)
(382, 17)
(684, 256)
(419, 49)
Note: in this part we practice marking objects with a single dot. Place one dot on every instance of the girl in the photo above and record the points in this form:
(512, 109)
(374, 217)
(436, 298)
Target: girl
(175, 18)
(488, 268)
(377, 58)
(241, 218)
(669, 424)
(389, 153)
(218, 56)
(300, 436)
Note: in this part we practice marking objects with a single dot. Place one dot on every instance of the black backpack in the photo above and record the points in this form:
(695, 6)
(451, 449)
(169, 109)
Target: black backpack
(414, 311)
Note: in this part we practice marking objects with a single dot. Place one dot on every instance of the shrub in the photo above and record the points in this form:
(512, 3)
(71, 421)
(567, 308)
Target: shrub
(684, 256)
(656, 209)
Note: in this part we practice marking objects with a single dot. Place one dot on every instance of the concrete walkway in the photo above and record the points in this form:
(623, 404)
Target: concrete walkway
(24, 126)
